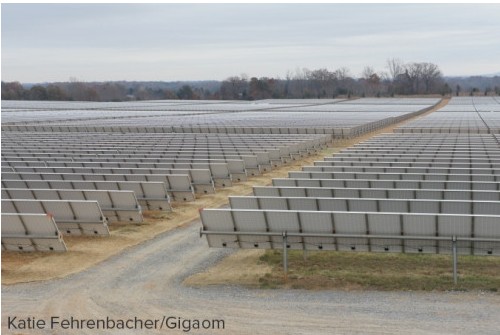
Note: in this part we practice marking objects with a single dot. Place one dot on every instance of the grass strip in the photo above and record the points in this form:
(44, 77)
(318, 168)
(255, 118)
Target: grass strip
(324, 270)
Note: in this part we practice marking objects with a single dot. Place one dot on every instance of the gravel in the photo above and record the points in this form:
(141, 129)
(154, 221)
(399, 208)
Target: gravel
(146, 281)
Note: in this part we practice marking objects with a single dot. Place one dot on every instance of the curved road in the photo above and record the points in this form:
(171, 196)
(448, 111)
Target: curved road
(145, 282)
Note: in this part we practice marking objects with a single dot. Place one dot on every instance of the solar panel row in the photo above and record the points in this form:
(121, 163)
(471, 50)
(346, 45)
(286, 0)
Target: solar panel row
(150, 195)
(333, 117)
(115, 205)
(473, 115)
(31, 232)
(434, 186)
(351, 231)
(73, 217)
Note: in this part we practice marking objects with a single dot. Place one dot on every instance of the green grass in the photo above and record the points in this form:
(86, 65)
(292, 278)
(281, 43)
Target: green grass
(385, 272)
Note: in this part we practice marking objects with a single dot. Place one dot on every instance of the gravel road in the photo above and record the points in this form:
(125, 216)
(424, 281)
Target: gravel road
(146, 282)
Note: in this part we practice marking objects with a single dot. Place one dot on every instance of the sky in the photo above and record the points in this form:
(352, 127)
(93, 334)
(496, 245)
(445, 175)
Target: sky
(170, 42)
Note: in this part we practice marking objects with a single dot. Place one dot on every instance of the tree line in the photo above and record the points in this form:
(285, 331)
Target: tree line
(107, 91)
(400, 78)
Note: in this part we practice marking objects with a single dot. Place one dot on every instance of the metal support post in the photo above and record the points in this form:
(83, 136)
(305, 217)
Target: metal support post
(454, 251)
(285, 255)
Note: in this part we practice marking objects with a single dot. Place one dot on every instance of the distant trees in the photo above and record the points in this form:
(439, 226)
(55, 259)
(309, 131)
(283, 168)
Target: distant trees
(111, 92)
(75, 90)
(465, 85)
(415, 78)
(322, 83)
(54, 92)
(186, 93)
(16, 91)
(262, 88)
(400, 78)
(370, 81)
(396, 68)
(234, 88)
(240, 88)
(13, 91)
(38, 92)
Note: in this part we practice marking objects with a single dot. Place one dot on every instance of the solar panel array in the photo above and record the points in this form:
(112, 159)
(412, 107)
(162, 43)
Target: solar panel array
(335, 117)
(88, 165)
(475, 115)
(43, 111)
(402, 192)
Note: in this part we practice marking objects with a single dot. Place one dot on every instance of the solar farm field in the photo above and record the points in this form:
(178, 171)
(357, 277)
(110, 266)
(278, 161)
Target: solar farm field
(89, 165)
(192, 210)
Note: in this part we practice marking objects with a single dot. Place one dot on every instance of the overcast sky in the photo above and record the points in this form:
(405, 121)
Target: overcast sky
(92, 42)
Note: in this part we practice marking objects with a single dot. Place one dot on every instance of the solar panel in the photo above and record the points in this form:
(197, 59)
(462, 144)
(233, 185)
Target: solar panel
(367, 205)
(178, 185)
(354, 231)
(115, 205)
(151, 195)
(72, 217)
(30, 232)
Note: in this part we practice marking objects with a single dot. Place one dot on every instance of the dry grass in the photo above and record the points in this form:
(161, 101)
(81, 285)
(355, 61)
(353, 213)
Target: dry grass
(324, 270)
(239, 268)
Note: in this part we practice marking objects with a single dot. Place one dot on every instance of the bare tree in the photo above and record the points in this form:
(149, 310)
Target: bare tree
(370, 81)
(431, 77)
(423, 78)
(234, 88)
(298, 86)
(344, 81)
(396, 67)
(368, 71)
(321, 82)
(342, 73)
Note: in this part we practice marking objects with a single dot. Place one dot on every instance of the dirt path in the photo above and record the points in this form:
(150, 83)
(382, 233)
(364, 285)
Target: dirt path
(146, 282)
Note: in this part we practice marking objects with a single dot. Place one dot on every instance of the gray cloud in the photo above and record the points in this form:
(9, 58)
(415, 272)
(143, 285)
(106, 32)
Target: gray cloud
(49, 42)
